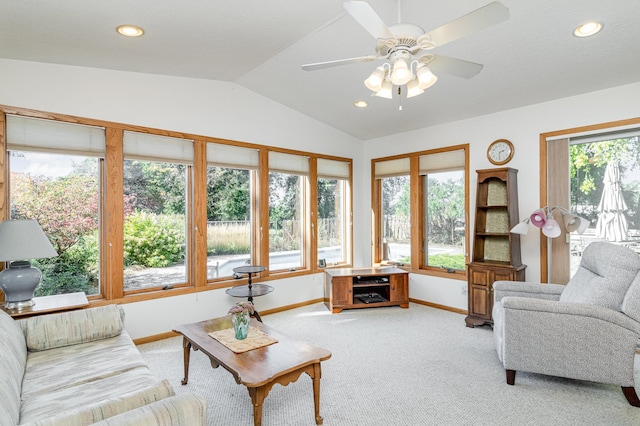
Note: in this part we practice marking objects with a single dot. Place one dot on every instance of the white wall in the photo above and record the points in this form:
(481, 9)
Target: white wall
(229, 111)
(522, 127)
(204, 107)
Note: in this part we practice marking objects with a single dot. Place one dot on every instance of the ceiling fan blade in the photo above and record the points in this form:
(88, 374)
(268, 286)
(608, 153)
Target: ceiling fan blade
(329, 64)
(482, 18)
(368, 18)
(454, 66)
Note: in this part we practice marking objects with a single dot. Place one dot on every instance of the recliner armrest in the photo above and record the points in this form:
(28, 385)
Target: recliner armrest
(526, 289)
(572, 309)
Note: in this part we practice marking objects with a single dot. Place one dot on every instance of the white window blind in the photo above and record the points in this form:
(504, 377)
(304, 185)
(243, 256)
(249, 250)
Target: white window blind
(288, 163)
(150, 147)
(332, 169)
(233, 157)
(442, 162)
(390, 168)
(35, 134)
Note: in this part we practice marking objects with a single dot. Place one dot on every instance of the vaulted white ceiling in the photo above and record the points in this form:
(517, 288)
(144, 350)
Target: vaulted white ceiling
(533, 57)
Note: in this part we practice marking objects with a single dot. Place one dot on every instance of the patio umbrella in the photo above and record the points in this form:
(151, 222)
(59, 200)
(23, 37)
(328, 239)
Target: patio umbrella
(612, 223)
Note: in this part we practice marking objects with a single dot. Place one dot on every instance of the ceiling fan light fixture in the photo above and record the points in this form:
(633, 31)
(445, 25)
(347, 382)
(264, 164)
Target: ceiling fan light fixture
(386, 91)
(413, 88)
(374, 81)
(401, 73)
(425, 77)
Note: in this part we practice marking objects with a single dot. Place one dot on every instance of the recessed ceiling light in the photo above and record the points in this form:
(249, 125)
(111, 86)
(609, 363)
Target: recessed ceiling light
(130, 30)
(361, 104)
(588, 29)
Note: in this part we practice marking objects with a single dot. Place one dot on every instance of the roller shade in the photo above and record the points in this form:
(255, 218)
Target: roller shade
(333, 169)
(150, 147)
(288, 163)
(233, 157)
(390, 168)
(442, 162)
(35, 134)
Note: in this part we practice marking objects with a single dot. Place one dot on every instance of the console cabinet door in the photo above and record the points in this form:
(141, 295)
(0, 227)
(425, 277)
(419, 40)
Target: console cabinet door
(342, 294)
(398, 291)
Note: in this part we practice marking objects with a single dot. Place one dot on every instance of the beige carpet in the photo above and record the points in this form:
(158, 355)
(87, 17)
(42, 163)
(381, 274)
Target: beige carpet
(393, 366)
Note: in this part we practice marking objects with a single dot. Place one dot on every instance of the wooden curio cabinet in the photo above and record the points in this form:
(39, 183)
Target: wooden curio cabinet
(496, 251)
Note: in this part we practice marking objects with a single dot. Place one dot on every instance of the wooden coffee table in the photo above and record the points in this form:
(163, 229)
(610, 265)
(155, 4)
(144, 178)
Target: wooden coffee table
(258, 369)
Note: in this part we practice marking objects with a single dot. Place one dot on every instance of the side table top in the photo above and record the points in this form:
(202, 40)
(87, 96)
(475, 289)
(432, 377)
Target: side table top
(243, 290)
(249, 269)
(50, 304)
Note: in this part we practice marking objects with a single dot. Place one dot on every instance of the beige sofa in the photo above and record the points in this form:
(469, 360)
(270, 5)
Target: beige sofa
(80, 368)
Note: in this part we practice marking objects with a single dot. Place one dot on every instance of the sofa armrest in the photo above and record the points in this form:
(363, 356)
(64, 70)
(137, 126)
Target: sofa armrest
(70, 328)
(526, 289)
(185, 409)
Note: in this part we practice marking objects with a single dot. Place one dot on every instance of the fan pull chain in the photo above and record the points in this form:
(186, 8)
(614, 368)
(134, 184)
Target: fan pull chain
(400, 98)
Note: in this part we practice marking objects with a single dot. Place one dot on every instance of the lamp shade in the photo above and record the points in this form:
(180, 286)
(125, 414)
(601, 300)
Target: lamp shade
(522, 228)
(551, 228)
(571, 221)
(22, 240)
(538, 218)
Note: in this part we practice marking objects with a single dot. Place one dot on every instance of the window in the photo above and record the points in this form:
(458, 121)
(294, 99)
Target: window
(231, 179)
(134, 210)
(443, 182)
(395, 213)
(56, 171)
(333, 208)
(157, 173)
(595, 173)
(420, 205)
(288, 180)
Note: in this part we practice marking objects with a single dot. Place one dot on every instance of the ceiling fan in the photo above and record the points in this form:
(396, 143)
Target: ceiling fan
(404, 47)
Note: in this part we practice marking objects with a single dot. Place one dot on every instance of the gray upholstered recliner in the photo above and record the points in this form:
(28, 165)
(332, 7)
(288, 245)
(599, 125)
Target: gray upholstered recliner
(586, 330)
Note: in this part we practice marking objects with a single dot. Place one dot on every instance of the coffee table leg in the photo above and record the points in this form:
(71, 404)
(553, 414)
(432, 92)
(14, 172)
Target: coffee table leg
(257, 398)
(316, 392)
(186, 347)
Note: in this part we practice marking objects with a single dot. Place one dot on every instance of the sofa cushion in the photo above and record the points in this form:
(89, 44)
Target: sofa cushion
(70, 328)
(606, 271)
(68, 377)
(13, 357)
(100, 410)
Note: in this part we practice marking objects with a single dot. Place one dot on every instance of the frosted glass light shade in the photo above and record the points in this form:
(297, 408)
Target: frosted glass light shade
(386, 90)
(374, 81)
(426, 78)
(413, 88)
(401, 73)
(551, 228)
(522, 228)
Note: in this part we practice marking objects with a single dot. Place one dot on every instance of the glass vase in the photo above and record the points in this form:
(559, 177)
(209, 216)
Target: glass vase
(241, 325)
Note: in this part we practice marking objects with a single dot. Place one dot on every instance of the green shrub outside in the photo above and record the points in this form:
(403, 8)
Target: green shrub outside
(153, 241)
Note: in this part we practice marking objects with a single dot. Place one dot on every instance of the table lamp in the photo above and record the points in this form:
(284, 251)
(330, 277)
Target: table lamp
(20, 240)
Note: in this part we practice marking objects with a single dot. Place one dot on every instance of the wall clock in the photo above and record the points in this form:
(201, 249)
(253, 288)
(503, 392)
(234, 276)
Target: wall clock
(500, 152)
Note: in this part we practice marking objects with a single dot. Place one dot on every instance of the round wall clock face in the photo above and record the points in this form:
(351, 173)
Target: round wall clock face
(500, 152)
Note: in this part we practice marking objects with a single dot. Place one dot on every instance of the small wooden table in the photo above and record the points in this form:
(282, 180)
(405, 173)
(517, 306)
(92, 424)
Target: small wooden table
(258, 369)
(51, 304)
